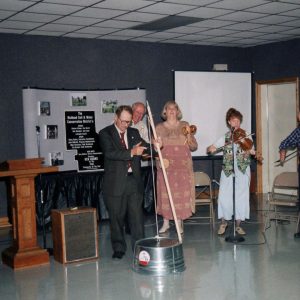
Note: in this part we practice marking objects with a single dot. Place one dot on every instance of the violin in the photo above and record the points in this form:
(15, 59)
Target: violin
(240, 137)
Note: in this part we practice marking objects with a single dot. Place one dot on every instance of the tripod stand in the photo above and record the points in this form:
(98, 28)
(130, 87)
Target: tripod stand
(232, 237)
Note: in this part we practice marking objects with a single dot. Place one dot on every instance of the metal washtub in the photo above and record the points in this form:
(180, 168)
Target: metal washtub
(158, 256)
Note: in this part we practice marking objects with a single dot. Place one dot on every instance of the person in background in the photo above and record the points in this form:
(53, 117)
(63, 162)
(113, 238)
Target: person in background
(123, 188)
(290, 142)
(177, 146)
(138, 112)
(241, 171)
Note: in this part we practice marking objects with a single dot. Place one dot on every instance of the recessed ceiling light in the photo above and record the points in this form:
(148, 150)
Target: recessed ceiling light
(167, 23)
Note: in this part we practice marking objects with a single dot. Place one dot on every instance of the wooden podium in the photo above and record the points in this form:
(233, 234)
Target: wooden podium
(25, 251)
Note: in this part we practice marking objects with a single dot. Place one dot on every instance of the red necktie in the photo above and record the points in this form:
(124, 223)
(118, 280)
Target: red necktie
(122, 134)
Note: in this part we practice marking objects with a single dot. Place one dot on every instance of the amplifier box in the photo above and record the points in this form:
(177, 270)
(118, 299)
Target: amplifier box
(75, 234)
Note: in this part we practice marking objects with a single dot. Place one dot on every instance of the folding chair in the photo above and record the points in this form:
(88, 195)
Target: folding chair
(204, 195)
(283, 198)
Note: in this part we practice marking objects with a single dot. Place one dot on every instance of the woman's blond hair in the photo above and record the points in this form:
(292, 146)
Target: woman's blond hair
(168, 103)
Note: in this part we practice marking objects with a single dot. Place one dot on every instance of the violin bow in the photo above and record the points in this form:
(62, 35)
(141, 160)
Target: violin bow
(285, 160)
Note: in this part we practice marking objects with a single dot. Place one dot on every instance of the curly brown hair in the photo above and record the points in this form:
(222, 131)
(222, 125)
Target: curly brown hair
(233, 113)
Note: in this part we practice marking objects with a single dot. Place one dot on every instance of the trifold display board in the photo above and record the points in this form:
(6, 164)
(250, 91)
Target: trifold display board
(205, 97)
(62, 125)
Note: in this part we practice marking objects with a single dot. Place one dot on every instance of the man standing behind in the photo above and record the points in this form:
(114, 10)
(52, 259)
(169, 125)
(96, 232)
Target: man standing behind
(138, 112)
(122, 147)
(292, 141)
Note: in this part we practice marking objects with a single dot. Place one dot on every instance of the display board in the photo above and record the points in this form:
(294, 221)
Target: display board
(62, 125)
(205, 97)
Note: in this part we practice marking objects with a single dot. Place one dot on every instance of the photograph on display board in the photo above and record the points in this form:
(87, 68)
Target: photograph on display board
(56, 158)
(44, 108)
(51, 132)
(109, 106)
(78, 99)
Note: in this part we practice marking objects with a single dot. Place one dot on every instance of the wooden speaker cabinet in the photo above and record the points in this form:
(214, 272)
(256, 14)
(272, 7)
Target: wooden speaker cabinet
(75, 234)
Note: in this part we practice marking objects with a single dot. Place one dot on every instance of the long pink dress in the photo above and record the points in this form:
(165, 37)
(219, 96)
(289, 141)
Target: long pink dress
(179, 168)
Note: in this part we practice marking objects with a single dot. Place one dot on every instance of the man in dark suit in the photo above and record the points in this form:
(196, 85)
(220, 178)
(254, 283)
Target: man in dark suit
(122, 186)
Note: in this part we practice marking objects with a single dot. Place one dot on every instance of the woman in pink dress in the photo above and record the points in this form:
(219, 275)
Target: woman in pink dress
(178, 142)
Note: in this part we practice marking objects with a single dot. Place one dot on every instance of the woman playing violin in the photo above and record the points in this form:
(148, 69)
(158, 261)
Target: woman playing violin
(243, 149)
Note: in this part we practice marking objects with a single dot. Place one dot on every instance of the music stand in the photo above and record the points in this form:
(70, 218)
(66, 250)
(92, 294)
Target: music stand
(232, 237)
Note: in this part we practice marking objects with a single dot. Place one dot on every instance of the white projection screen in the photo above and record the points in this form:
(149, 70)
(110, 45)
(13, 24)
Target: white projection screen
(205, 97)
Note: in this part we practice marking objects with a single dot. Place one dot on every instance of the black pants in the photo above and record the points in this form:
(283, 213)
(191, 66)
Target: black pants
(130, 204)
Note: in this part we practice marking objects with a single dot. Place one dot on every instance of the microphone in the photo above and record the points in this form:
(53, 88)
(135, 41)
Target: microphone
(37, 129)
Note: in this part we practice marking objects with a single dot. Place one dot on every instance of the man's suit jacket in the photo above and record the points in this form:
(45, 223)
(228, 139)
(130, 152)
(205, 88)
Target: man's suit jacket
(116, 159)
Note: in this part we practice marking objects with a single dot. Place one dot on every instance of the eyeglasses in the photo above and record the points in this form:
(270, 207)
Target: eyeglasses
(124, 122)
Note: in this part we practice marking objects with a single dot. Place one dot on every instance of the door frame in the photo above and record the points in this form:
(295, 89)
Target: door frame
(258, 97)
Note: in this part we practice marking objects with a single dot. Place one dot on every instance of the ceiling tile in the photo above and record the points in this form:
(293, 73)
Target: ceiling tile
(117, 24)
(218, 32)
(14, 5)
(7, 30)
(49, 8)
(32, 17)
(184, 29)
(81, 35)
(72, 20)
(168, 9)
(271, 29)
(272, 20)
(145, 39)
(246, 34)
(212, 23)
(73, 2)
(191, 2)
(165, 35)
(47, 33)
(99, 13)
(240, 16)
(192, 37)
(244, 26)
(124, 4)
(236, 4)
(222, 39)
(59, 27)
(19, 25)
(5, 14)
(131, 33)
(206, 12)
(114, 37)
(292, 13)
(139, 17)
(274, 7)
(295, 31)
(96, 30)
(171, 41)
(295, 23)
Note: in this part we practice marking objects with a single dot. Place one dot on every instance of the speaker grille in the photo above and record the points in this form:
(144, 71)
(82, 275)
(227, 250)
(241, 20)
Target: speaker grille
(80, 236)
(75, 234)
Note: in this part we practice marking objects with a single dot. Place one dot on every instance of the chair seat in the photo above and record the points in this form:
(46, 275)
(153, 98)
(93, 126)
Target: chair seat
(282, 203)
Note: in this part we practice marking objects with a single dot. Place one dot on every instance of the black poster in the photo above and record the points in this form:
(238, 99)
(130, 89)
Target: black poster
(81, 136)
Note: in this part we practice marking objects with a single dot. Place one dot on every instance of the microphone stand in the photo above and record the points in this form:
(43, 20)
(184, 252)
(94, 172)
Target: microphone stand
(41, 192)
(233, 238)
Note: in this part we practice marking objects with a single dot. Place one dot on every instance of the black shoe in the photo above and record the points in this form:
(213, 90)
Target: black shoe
(297, 235)
(118, 254)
